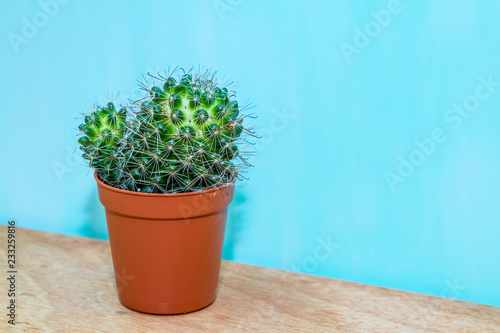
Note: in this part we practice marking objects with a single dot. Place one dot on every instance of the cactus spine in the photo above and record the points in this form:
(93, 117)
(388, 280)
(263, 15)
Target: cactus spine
(183, 136)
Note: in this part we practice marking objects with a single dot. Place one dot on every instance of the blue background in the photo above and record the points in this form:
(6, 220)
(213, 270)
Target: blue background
(334, 124)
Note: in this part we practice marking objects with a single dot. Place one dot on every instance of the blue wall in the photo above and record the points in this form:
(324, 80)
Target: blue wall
(380, 121)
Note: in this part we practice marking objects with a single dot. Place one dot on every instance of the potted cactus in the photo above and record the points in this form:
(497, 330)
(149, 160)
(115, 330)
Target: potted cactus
(165, 167)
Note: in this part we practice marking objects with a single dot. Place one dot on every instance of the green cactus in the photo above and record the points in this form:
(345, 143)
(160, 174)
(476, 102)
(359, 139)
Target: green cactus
(183, 136)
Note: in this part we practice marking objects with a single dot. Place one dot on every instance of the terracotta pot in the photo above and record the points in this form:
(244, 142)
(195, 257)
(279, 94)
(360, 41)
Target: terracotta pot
(166, 248)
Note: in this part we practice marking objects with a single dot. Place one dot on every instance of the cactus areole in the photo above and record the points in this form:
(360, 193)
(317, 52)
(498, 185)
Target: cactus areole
(184, 135)
(166, 165)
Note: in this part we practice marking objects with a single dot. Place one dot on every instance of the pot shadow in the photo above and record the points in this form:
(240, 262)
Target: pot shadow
(235, 224)
(95, 227)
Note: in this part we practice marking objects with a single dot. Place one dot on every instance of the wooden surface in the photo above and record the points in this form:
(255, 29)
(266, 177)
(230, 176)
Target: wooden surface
(66, 284)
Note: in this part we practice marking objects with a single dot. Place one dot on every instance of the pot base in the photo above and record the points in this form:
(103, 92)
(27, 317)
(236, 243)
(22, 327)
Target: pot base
(165, 308)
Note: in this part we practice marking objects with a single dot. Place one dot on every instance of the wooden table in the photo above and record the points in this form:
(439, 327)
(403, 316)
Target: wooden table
(66, 284)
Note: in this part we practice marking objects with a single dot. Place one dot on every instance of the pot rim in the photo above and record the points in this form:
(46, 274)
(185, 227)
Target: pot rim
(117, 190)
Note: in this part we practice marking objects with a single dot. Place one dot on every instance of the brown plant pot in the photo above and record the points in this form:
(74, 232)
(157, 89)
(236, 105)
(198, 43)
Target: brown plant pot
(166, 248)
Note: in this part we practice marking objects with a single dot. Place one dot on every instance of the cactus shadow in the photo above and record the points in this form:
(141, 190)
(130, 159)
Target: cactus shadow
(95, 227)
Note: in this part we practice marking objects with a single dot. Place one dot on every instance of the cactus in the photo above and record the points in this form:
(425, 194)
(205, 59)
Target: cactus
(184, 135)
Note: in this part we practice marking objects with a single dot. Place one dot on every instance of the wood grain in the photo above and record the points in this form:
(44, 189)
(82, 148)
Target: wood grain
(66, 284)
